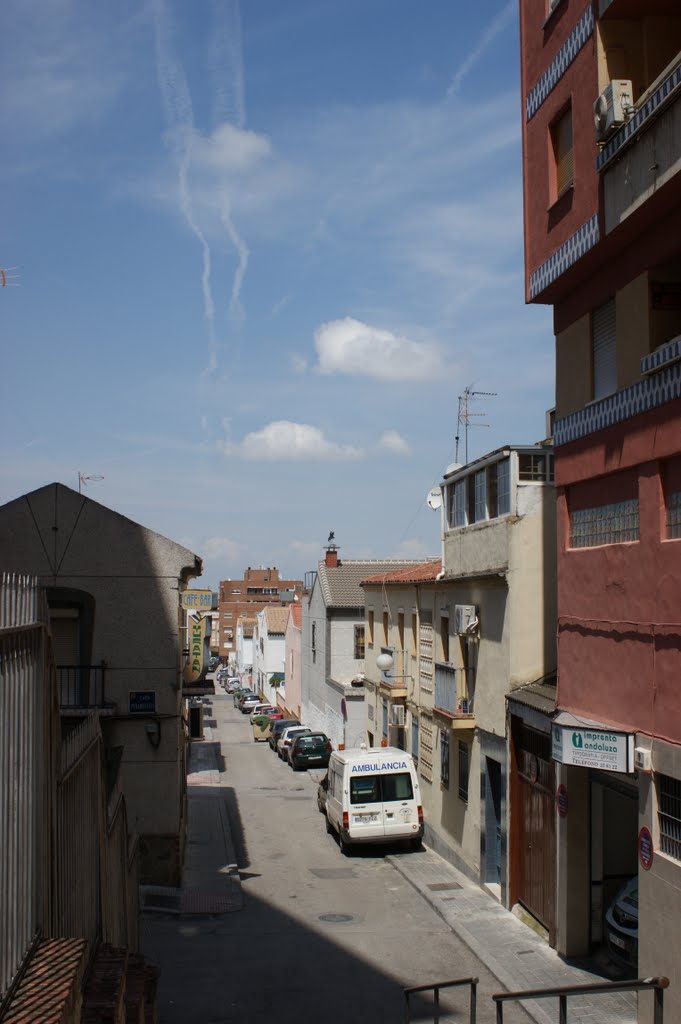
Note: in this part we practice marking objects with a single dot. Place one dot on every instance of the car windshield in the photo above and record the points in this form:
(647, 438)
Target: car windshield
(291, 733)
(375, 789)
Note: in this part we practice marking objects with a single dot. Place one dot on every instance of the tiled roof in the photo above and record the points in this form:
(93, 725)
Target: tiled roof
(297, 614)
(49, 990)
(341, 584)
(424, 572)
(276, 619)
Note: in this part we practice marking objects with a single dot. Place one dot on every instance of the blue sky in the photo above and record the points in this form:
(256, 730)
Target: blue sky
(262, 248)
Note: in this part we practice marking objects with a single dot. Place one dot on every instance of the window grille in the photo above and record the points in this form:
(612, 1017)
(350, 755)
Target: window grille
(674, 515)
(463, 770)
(444, 759)
(480, 495)
(426, 746)
(669, 815)
(415, 738)
(615, 523)
(426, 656)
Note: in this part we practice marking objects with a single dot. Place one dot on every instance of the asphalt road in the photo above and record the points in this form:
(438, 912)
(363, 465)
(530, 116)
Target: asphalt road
(321, 937)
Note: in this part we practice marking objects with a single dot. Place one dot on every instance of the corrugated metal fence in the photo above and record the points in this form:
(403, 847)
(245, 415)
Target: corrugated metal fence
(27, 697)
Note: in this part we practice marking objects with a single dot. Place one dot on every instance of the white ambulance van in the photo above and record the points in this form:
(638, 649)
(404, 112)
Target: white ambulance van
(373, 797)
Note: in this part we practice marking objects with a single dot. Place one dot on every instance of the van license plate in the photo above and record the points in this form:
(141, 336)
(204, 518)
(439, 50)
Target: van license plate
(365, 819)
(617, 941)
(315, 757)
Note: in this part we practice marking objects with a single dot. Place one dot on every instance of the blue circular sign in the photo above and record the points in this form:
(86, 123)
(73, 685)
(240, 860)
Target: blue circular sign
(645, 848)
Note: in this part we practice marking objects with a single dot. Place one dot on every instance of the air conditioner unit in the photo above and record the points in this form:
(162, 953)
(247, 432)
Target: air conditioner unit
(642, 759)
(397, 714)
(465, 619)
(611, 109)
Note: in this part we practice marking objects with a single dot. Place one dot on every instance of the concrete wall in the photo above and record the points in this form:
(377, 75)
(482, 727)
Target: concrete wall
(293, 670)
(75, 544)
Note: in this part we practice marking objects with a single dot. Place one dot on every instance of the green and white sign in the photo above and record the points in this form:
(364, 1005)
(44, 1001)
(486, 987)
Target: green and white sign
(593, 748)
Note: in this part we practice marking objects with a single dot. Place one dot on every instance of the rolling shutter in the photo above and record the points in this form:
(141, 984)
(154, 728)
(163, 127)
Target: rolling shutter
(604, 350)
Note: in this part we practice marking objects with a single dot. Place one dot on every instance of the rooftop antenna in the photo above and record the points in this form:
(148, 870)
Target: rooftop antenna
(7, 279)
(85, 478)
(465, 416)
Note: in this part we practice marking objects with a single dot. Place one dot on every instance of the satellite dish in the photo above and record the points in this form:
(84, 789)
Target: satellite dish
(452, 468)
(434, 498)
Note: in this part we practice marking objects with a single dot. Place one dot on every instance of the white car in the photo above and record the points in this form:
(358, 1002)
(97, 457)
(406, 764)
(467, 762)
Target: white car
(284, 741)
(248, 703)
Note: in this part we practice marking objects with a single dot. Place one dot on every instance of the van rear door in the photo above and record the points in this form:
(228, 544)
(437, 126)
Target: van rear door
(399, 806)
(366, 807)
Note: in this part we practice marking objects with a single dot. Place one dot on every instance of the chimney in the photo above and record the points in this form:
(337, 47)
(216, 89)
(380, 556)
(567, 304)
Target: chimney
(331, 560)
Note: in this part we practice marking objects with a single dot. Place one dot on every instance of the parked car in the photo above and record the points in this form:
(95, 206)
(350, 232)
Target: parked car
(621, 926)
(287, 737)
(233, 684)
(311, 750)
(263, 708)
(247, 703)
(322, 790)
(279, 727)
(276, 714)
(240, 694)
(262, 727)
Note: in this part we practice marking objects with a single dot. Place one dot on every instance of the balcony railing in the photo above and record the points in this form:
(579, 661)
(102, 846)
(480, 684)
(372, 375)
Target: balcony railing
(454, 690)
(81, 686)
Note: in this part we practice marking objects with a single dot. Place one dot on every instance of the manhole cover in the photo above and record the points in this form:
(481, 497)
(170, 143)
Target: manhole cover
(443, 886)
(336, 918)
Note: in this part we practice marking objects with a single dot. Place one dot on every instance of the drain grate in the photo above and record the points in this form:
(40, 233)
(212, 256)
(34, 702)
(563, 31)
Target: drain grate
(336, 918)
(444, 886)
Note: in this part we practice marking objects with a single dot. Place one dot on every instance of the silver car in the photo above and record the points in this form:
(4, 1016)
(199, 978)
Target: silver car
(284, 741)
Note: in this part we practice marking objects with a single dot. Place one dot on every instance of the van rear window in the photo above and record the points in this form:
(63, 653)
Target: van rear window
(375, 789)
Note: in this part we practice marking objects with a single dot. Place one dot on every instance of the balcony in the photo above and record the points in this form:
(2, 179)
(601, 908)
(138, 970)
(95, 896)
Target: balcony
(81, 688)
(455, 694)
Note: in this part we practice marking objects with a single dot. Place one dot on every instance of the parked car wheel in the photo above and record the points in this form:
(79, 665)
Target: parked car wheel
(344, 845)
(329, 826)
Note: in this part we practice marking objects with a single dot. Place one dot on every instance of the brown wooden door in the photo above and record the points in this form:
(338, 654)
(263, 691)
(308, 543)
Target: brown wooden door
(533, 818)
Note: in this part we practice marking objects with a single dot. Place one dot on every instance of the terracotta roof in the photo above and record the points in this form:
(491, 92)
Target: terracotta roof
(276, 619)
(297, 615)
(424, 572)
(341, 584)
(49, 990)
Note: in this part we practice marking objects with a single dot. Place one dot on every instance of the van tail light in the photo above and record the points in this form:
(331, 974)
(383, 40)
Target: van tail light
(346, 821)
(420, 811)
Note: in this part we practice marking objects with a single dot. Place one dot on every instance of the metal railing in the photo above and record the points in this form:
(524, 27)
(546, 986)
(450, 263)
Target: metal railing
(81, 686)
(436, 988)
(563, 993)
(454, 688)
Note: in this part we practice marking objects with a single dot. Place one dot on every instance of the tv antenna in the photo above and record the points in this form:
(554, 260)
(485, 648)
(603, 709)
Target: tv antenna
(7, 279)
(465, 416)
(87, 478)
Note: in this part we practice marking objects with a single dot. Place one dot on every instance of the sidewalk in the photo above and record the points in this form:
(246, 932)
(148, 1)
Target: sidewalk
(518, 957)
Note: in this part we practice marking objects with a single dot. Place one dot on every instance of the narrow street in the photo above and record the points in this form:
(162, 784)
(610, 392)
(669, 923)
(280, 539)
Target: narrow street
(319, 935)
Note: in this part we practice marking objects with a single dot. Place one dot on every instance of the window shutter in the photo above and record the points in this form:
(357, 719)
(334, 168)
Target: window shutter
(563, 151)
(604, 350)
(65, 639)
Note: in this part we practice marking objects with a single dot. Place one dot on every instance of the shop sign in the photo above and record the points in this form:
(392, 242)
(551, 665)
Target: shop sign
(197, 600)
(645, 848)
(562, 801)
(142, 702)
(593, 748)
(196, 634)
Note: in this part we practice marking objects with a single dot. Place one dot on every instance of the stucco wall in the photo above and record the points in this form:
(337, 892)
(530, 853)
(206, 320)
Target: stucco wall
(293, 670)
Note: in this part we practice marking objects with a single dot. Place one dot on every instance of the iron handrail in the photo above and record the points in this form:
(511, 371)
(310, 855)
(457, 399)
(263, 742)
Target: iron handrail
(435, 989)
(563, 992)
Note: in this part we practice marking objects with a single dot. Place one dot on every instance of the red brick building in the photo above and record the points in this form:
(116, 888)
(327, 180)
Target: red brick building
(602, 199)
(248, 596)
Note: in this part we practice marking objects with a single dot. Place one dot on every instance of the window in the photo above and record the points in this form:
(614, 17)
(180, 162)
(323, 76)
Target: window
(503, 469)
(385, 719)
(313, 643)
(359, 643)
(375, 789)
(457, 503)
(444, 635)
(480, 495)
(415, 738)
(674, 515)
(227, 615)
(604, 350)
(370, 621)
(444, 759)
(236, 591)
(414, 634)
(385, 628)
(669, 815)
(463, 770)
(535, 467)
(615, 523)
(561, 146)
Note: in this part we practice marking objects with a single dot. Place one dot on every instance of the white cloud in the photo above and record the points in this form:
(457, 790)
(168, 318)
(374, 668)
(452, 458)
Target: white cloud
(298, 362)
(230, 150)
(293, 441)
(221, 547)
(413, 547)
(350, 346)
(310, 548)
(392, 442)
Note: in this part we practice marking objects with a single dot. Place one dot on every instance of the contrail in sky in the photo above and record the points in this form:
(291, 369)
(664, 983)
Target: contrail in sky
(497, 25)
(179, 117)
